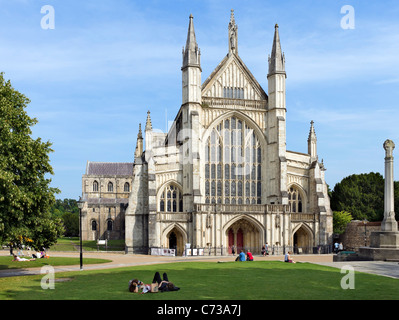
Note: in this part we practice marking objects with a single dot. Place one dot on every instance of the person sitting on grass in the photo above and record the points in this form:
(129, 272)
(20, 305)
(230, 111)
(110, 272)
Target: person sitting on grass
(16, 258)
(250, 256)
(241, 256)
(287, 257)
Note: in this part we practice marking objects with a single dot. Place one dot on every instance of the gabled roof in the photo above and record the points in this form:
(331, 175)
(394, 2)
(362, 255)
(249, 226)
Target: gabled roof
(109, 168)
(233, 60)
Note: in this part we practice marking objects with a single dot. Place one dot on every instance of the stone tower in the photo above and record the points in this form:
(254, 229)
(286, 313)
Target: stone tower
(191, 107)
(276, 125)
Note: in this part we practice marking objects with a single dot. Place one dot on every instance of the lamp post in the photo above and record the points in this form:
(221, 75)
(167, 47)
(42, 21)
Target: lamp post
(80, 206)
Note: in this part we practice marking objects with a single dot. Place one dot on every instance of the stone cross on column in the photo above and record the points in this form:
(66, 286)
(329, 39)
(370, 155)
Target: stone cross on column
(389, 223)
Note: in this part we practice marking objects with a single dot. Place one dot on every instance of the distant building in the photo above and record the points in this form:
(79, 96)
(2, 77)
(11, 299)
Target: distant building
(221, 176)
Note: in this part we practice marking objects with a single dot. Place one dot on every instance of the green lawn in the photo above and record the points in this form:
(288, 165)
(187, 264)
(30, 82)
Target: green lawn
(6, 262)
(258, 280)
(72, 244)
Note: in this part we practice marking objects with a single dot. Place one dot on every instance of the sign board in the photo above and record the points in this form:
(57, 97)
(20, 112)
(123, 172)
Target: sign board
(163, 252)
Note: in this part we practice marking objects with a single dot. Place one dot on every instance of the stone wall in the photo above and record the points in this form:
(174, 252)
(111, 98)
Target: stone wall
(354, 236)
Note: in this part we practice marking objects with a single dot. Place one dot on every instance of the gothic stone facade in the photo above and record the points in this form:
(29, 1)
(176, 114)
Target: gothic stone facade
(221, 176)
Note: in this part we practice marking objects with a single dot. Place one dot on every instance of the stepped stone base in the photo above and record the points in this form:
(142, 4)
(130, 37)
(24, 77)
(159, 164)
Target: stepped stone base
(379, 254)
(384, 246)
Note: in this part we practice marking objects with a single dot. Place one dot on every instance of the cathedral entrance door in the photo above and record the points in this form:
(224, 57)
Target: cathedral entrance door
(231, 241)
(240, 240)
(302, 241)
(172, 241)
(175, 241)
(244, 235)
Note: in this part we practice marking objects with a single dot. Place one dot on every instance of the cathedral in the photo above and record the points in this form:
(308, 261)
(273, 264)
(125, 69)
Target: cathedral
(221, 177)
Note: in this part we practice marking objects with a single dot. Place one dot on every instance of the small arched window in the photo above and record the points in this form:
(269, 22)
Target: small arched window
(94, 225)
(295, 200)
(95, 186)
(109, 225)
(126, 188)
(110, 187)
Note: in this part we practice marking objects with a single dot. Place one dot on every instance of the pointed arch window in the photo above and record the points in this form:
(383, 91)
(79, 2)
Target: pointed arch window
(171, 199)
(110, 225)
(126, 187)
(233, 157)
(295, 200)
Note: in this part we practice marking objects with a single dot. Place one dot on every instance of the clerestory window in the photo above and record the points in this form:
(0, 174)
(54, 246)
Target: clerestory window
(110, 187)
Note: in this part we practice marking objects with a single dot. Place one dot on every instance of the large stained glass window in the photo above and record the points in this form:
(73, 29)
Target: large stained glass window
(233, 157)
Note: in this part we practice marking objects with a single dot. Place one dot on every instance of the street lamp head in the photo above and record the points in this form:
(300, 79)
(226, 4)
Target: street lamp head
(80, 203)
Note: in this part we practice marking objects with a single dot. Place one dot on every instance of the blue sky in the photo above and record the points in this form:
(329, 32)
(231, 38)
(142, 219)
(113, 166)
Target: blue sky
(93, 77)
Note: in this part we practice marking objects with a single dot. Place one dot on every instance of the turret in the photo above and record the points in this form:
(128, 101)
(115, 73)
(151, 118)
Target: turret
(139, 144)
(148, 134)
(276, 124)
(277, 59)
(312, 143)
(276, 76)
(191, 67)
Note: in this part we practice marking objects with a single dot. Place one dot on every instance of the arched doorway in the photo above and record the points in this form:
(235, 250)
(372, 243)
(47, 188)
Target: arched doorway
(244, 235)
(174, 240)
(303, 240)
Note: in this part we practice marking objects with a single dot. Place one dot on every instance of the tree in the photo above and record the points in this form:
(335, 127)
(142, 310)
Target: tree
(25, 193)
(341, 219)
(71, 224)
(362, 195)
(68, 211)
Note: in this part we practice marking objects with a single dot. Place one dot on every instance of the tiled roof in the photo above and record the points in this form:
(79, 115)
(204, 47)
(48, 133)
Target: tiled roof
(107, 201)
(109, 168)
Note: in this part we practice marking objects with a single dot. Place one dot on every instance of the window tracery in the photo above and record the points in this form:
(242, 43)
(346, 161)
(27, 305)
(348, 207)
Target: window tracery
(233, 157)
(295, 199)
(171, 199)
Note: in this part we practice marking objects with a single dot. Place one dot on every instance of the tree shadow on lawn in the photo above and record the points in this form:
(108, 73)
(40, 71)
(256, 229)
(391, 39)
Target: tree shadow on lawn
(7, 263)
(263, 280)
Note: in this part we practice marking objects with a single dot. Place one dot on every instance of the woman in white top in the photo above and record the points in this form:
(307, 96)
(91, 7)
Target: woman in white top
(16, 258)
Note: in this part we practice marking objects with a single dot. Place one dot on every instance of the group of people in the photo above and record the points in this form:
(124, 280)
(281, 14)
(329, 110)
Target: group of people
(249, 256)
(243, 257)
(37, 255)
(157, 284)
(265, 250)
(338, 247)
